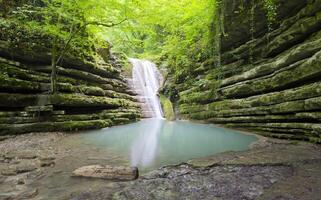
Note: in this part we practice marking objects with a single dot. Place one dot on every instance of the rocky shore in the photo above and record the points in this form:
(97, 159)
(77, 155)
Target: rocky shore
(39, 166)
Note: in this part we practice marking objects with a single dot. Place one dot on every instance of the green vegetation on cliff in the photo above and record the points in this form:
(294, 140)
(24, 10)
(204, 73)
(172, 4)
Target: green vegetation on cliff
(167, 108)
(175, 31)
(59, 47)
(252, 64)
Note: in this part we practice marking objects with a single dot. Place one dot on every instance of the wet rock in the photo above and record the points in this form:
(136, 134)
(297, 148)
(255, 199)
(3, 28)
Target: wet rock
(5, 137)
(107, 172)
(252, 174)
(21, 181)
(18, 169)
(21, 155)
(46, 162)
(28, 194)
(186, 182)
(25, 168)
(9, 172)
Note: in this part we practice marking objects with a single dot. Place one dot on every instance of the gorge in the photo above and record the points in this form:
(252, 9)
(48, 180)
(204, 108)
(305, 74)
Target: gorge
(208, 99)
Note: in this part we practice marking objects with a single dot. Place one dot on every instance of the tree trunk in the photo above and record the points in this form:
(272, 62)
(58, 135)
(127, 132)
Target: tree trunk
(53, 77)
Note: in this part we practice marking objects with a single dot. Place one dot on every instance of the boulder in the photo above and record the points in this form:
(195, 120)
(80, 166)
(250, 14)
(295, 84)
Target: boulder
(119, 173)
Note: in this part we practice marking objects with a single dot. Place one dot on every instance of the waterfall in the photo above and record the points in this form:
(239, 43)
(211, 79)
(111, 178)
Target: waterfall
(146, 83)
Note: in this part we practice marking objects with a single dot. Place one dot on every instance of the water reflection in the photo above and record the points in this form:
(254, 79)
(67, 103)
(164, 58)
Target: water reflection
(144, 148)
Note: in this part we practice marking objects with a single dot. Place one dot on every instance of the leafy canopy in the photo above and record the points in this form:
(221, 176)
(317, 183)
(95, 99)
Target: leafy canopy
(178, 31)
(83, 21)
(175, 30)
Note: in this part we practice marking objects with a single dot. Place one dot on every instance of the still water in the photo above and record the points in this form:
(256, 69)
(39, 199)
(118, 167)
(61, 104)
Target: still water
(152, 143)
(148, 144)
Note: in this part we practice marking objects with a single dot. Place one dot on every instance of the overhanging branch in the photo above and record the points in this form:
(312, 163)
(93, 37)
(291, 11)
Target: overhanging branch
(109, 24)
(95, 23)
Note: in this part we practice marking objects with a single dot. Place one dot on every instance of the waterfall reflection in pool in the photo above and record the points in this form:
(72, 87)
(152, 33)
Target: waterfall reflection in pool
(152, 143)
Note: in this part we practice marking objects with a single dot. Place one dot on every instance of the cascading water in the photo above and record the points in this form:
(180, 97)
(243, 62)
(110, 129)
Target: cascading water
(146, 83)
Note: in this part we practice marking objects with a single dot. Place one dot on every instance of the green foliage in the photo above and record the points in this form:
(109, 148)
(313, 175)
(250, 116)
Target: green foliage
(177, 31)
(52, 23)
(271, 9)
(181, 32)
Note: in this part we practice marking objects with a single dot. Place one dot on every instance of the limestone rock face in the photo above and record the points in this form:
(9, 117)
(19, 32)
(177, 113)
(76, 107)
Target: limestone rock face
(87, 98)
(92, 92)
(270, 77)
(240, 16)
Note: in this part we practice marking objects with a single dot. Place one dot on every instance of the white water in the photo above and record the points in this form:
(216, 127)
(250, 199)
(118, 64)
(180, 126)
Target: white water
(146, 82)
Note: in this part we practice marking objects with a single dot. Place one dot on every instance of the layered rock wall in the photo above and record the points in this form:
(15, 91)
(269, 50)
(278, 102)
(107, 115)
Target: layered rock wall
(87, 98)
(92, 93)
(269, 81)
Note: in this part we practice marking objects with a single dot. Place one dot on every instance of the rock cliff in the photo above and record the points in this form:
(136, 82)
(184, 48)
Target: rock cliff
(92, 93)
(268, 79)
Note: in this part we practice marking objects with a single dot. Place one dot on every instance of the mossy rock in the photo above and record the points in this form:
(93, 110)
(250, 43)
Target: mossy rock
(73, 100)
(167, 108)
(6, 129)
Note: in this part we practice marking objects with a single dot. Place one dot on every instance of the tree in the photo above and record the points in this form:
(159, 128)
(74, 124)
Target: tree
(175, 30)
(70, 27)
(66, 21)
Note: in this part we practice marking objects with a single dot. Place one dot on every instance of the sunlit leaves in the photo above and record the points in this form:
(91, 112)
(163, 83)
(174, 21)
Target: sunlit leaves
(175, 29)
(271, 8)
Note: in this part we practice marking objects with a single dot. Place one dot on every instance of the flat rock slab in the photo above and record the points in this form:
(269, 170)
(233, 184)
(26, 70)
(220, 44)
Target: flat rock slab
(18, 169)
(120, 173)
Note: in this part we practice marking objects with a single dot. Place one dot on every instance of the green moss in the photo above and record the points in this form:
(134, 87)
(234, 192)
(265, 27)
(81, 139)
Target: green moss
(127, 68)
(73, 100)
(13, 84)
(200, 97)
(96, 91)
(315, 140)
(6, 129)
(167, 108)
(23, 74)
(18, 100)
(295, 74)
